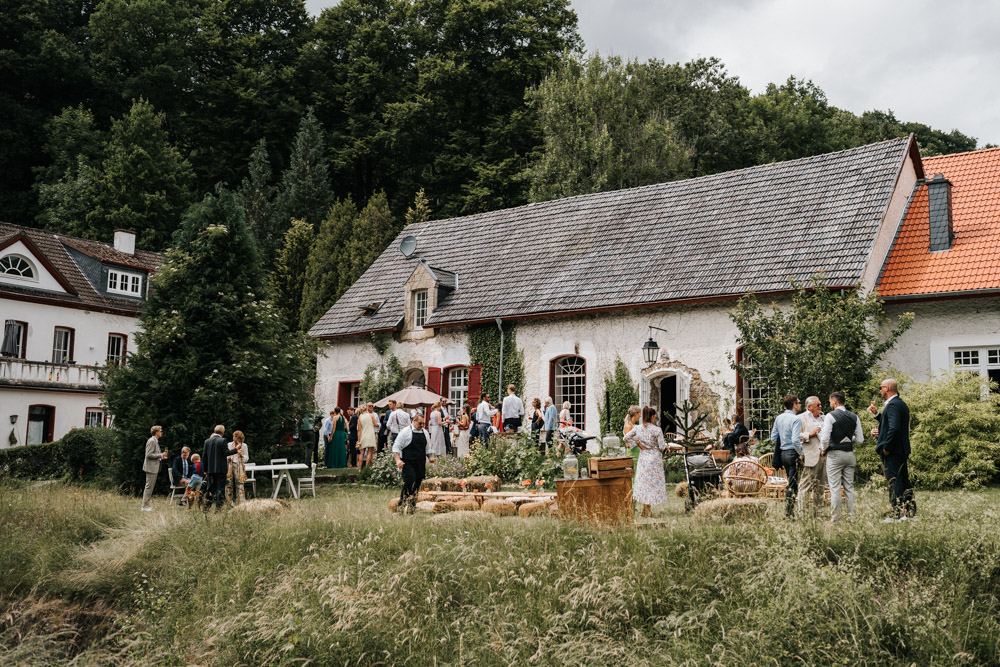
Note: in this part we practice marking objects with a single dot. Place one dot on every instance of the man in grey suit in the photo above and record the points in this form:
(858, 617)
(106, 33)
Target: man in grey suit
(813, 478)
(151, 465)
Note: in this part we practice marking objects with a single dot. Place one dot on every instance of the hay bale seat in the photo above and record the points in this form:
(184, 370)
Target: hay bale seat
(532, 509)
(261, 506)
(500, 507)
(731, 510)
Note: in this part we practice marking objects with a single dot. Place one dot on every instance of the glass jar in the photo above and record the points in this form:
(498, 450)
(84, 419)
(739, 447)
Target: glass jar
(571, 466)
(612, 445)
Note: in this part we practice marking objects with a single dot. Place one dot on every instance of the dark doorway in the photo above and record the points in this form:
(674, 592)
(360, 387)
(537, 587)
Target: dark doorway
(41, 423)
(668, 400)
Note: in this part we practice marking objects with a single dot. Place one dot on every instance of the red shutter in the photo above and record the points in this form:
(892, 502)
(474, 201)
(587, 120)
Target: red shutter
(552, 382)
(475, 385)
(434, 380)
(344, 395)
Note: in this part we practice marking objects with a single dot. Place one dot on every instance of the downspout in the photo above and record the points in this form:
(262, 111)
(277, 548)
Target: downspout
(500, 378)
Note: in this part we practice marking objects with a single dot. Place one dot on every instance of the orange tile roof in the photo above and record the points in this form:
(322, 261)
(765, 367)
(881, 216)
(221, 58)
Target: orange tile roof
(973, 262)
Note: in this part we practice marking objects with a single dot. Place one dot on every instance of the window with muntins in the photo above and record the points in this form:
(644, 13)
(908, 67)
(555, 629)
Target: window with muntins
(458, 390)
(93, 417)
(419, 309)
(120, 282)
(117, 344)
(17, 266)
(62, 345)
(569, 378)
(756, 395)
(982, 361)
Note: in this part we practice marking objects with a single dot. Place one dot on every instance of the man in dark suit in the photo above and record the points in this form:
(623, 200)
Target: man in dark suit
(216, 465)
(893, 446)
(739, 434)
(352, 437)
(183, 469)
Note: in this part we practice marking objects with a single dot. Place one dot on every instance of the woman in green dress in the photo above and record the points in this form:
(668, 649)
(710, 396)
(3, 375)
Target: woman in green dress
(336, 456)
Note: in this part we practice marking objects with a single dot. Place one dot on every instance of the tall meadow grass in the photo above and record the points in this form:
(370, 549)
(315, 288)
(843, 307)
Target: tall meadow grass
(338, 580)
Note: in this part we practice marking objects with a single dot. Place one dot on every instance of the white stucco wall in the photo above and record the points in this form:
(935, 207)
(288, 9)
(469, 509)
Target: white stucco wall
(70, 408)
(922, 351)
(698, 336)
(92, 328)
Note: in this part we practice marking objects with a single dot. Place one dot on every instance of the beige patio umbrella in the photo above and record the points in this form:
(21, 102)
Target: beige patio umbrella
(411, 397)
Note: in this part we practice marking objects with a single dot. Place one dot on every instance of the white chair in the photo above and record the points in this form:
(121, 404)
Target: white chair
(309, 482)
(251, 481)
(174, 488)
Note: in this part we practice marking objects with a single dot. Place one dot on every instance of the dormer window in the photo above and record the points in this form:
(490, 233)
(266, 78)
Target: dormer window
(17, 267)
(371, 308)
(121, 282)
(419, 309)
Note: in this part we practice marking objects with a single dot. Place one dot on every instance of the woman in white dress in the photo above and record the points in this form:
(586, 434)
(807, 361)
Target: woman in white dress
(650, 486)
(368, 424)
(436, 446)
(464, 421)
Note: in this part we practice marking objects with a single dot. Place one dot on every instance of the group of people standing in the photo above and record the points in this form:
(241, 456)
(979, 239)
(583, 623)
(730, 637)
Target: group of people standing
(219, 472)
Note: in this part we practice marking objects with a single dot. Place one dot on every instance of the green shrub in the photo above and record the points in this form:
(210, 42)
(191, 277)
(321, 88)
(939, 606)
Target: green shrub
(46, 461)
(383, 472)
(92, 454)
(446, 466)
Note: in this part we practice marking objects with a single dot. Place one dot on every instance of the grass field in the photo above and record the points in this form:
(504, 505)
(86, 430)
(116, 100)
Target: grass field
(86, 577)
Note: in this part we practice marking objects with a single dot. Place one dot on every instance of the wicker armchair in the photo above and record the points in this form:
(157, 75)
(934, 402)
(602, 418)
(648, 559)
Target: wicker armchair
(744, 479)
(777, 481)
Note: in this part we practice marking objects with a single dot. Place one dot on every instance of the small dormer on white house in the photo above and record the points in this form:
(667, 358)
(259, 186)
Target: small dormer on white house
(425, 289)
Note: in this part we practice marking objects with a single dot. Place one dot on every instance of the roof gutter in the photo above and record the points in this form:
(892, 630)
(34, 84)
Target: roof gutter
(940, 296)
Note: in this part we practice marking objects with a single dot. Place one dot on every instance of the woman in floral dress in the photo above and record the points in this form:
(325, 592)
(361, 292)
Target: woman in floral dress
(650, 486)
(236, 474)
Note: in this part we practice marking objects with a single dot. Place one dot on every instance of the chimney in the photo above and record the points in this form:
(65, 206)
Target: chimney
(939, 202)
(125, 241)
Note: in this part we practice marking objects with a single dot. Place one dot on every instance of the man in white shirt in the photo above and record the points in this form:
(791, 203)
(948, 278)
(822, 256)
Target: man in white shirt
(398, 420)
(513, 411)
(841, 431)
(484, 417)
(410, 451)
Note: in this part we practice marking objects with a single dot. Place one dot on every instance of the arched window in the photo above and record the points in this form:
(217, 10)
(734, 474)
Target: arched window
(568, 382)
(17, 266)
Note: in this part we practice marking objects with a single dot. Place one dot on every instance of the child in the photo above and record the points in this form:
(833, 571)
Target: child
(194, 484)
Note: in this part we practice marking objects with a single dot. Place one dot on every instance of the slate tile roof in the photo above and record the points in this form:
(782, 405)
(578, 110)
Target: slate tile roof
(973, 262)
(714, 236)
(54, 247)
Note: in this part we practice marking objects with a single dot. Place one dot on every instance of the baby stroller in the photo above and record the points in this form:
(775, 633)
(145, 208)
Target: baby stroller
(578, 441)
(702, 475)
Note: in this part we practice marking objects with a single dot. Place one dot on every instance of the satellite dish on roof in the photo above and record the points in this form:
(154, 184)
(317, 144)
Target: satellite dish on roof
(408, 246)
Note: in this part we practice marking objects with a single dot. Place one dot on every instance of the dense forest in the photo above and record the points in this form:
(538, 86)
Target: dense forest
(123, 113)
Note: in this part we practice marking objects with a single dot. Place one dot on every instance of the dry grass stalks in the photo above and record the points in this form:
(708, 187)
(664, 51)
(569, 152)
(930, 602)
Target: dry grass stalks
(681, 490)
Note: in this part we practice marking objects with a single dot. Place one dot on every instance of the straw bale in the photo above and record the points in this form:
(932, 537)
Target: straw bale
(731, 510)
(468, 505)
(531, 509)
(479, 483)
(431, 484)
(499, 507)
(393, 504)
(681, 490)
(440, 507)
(426, 506)
(261, 506)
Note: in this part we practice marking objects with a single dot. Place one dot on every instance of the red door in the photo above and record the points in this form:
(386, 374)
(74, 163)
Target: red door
(475, 385)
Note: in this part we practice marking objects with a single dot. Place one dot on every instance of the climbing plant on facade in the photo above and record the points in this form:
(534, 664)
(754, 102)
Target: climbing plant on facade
(622, 392)
(484, 349)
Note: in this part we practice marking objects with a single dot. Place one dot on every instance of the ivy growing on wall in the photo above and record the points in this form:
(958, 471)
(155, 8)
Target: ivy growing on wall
(623, 394)
(383, 378)
(484, 349)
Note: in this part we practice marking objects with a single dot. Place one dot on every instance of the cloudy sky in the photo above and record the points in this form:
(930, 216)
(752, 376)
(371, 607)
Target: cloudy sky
(928, 61)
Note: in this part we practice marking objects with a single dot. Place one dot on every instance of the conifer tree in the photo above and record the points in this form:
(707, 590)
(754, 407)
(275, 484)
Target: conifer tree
(75, 147)
(212, 350)
(326, 269)
(421, 209)
(289, 274)
(306, 193)
(142, 183)
(374, 229)
(257, 196)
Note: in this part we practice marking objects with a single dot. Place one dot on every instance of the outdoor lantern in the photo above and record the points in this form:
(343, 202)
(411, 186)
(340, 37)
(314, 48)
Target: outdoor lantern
(13, 419)
(649, 351)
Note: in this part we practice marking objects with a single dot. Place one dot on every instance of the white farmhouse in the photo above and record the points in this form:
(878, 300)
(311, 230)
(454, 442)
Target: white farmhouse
(68, 307)
(585, 278)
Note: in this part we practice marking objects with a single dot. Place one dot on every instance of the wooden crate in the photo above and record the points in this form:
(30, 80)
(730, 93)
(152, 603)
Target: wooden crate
(610, 467)
(603, 501)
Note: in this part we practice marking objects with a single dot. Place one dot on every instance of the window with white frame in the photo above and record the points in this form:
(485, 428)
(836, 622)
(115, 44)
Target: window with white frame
(117, 346)
(569, 378)
(94, 417)
(355, 395)
(982, 361)
(15, 339)
(419, 309)
(458, 390)
(62, 345)
(17, 267)
(121, 282)
(756, 395)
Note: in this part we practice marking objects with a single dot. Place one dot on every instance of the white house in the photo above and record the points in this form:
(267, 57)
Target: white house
(68, 306)
(585, 278)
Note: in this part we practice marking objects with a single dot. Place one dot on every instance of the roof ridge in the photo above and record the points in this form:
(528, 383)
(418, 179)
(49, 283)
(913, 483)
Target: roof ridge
(951, 155)
(638, 188)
